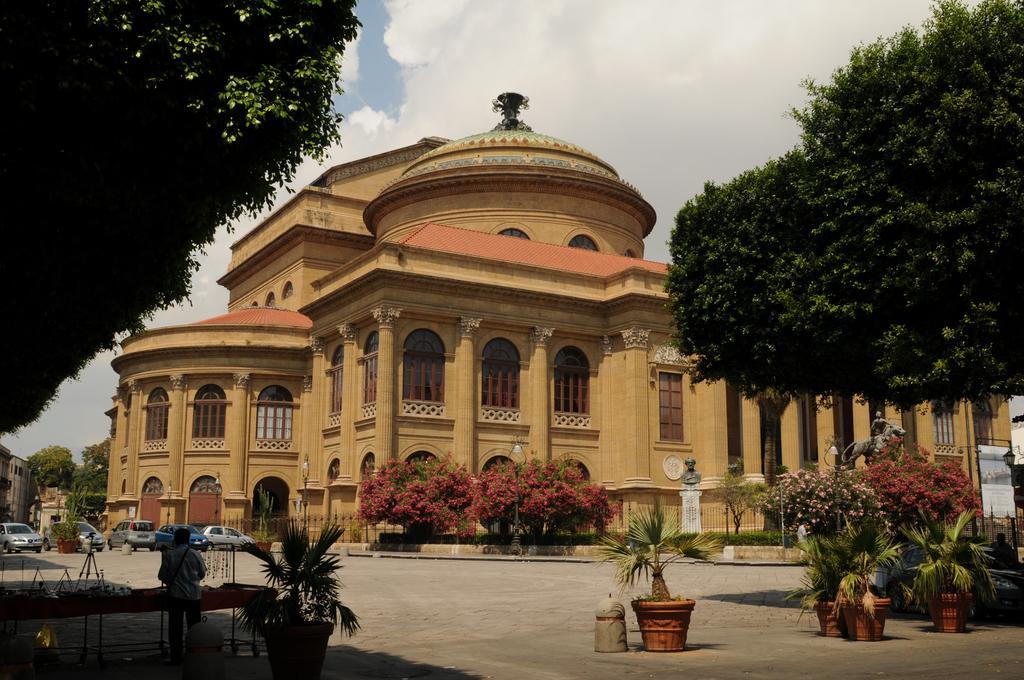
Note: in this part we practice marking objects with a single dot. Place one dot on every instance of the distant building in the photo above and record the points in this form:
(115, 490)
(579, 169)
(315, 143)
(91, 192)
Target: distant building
(18, 494)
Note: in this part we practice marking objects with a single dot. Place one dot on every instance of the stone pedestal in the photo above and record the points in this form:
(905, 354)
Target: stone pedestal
(691, 510)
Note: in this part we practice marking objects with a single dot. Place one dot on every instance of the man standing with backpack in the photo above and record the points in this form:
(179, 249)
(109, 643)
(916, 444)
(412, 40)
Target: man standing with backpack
(181, 570)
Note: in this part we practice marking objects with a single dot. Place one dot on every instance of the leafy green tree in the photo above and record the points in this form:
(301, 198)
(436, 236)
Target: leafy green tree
(52, 466)
(879, 257)
(739, 495)
(91, 475)
(134, 129)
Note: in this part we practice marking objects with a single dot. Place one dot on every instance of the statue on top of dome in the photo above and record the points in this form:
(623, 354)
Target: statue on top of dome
(508, 104)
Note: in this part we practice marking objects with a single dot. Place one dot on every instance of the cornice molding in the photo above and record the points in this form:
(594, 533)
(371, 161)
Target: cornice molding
(240, 353)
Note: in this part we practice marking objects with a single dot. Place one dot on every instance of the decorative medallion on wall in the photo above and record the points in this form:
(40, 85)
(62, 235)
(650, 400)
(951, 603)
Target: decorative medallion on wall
(673, 467)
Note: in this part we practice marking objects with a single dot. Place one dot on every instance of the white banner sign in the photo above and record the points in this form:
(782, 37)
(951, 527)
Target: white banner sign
(996, 489)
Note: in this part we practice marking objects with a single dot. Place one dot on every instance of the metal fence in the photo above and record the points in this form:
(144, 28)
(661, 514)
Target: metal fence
(991, 526)
(355, 529)
(713, 518)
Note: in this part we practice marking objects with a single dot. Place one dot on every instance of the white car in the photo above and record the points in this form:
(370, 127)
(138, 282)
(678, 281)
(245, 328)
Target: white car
(19, 537)
(222, 537)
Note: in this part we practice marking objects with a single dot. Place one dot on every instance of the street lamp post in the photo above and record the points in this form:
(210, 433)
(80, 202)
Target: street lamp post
(516, 453)
(168, 503)
(305, 498)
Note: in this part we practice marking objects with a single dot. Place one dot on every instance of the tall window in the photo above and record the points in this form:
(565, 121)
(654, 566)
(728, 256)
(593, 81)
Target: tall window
(156, 415)
(942, 419)
(208, 413)
(500, 374)
(274, 414)
(670, 399)
(333, 470)
(982, 417)
(572, 381)
(808, 424)
(288, 290)
(335, 373)
(271, 300)
(367, 467)
(514, 233)
(584, 242)
(423, 367)
(370, 368)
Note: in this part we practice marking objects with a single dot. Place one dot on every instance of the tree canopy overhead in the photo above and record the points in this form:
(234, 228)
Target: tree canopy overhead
(879, 257)
(135, 129)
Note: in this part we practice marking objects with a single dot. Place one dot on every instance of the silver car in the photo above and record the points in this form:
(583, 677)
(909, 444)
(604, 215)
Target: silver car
(19, 537)
(222, 537)
(138, 533)
(87, 532)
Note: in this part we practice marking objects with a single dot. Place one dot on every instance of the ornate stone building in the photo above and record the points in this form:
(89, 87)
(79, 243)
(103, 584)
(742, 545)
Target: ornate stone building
(445, 299)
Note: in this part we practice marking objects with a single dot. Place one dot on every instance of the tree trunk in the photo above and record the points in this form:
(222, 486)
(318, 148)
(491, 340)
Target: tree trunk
(773, 404)
(659, 589)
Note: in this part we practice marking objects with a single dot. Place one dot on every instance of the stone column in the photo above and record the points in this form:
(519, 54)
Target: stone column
(540, 393)
(307, 446)
(176, 433)
(606, 445)
(313, 413)
(350, 401)
(752, 463)
(386, 379)
(636, 404)
(134, 440)
(238, 443)
(465, 393)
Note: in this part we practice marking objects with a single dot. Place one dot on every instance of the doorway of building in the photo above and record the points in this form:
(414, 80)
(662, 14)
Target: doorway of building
(152, 490)
(278, 496)
(204, 501)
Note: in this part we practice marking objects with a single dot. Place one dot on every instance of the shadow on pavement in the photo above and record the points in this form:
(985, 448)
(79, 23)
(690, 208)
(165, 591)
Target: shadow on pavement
(757, 598)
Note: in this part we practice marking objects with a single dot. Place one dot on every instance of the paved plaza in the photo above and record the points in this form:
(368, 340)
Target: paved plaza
(456, 619)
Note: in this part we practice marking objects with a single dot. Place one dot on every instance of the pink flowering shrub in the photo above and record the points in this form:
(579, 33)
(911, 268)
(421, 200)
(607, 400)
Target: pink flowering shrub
(813, 497)
(553, 497)
(908, 484)
(426, 497)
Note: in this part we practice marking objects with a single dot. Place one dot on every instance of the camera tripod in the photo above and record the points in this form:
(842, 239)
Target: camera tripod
(89, 570)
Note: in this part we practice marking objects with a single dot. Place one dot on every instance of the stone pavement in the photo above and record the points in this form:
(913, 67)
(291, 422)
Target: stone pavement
(456, 619)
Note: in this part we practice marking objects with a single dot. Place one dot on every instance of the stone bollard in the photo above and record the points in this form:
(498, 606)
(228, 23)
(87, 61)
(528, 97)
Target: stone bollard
(610, 626)
(126, 548)
(204, 659)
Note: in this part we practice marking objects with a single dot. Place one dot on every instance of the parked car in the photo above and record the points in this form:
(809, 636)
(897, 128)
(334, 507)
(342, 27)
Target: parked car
(86, 530)
(165, 536)
(1009, 583)
(14, 536)
(138, 533)
(223, 537)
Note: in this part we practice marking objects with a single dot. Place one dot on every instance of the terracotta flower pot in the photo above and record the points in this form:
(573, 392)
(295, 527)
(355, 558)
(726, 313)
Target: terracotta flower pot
(65, 547)
(949, 611)
(298, 651)
(263, 545)
(829, 620)
(859, 626)
(663, 624)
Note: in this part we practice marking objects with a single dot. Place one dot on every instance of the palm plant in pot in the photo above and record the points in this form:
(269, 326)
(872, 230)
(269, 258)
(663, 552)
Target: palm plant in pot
(652, 542)
(952, 567)
(298, 620)
(865, 550)
(823, 559)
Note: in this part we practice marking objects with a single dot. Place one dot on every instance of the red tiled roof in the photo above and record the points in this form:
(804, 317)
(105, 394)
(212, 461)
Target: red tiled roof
(260, 316)
(460, 241)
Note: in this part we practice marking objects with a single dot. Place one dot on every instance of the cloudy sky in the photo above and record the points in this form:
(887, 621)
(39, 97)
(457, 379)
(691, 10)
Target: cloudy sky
(671, 93)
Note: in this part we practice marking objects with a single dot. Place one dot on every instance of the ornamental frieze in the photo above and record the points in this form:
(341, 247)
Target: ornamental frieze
(669, 354)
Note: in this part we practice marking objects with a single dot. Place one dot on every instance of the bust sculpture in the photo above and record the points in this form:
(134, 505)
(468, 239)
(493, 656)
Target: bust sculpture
(691, 477)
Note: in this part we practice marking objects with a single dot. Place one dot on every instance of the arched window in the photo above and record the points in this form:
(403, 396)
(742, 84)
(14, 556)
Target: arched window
(423, 367)
(274, 414)
(124, 486)
(572, 381)
(942, 419)
(497, 461)
(271, 300)
(153, 486)
(421, 457)
(584, 472)
(333, 470)
(205, 484)
(288, 290)
(500, 375)
(982, 416)
(335, 373)
(255, 304)
(367, 467)
(370, 369)
(156, 415)
(582, 241)
(514, 233)
(629, 253)
(208, 413)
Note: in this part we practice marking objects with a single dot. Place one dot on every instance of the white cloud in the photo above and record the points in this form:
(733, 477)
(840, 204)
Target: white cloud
(350, 61)
(371, 122)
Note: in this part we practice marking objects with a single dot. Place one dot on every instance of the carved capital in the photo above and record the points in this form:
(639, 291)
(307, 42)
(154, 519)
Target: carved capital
(307, 383)
(386, 315)
(670, 355)
(241, 379)
(540, 335)
(347, 332)
(606, 345)
(316, 345)
(469, 325)
(177, 382)
(636, 337)
(135, 386)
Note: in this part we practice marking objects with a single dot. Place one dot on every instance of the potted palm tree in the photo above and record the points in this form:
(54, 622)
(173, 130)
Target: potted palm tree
(864, 550)
(952, 567)
(823, 559)
(652, 542)
(298, 620)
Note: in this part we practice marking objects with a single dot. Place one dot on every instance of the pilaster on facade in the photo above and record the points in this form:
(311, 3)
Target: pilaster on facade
(386, 316)
(135, 433)
(606, 345)
(349, 400)
(752, 462)
(238, 422)
(465, 394)
(540, 392)
(316, 345)
(176, 431)
(635, 337)
(636, 404)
